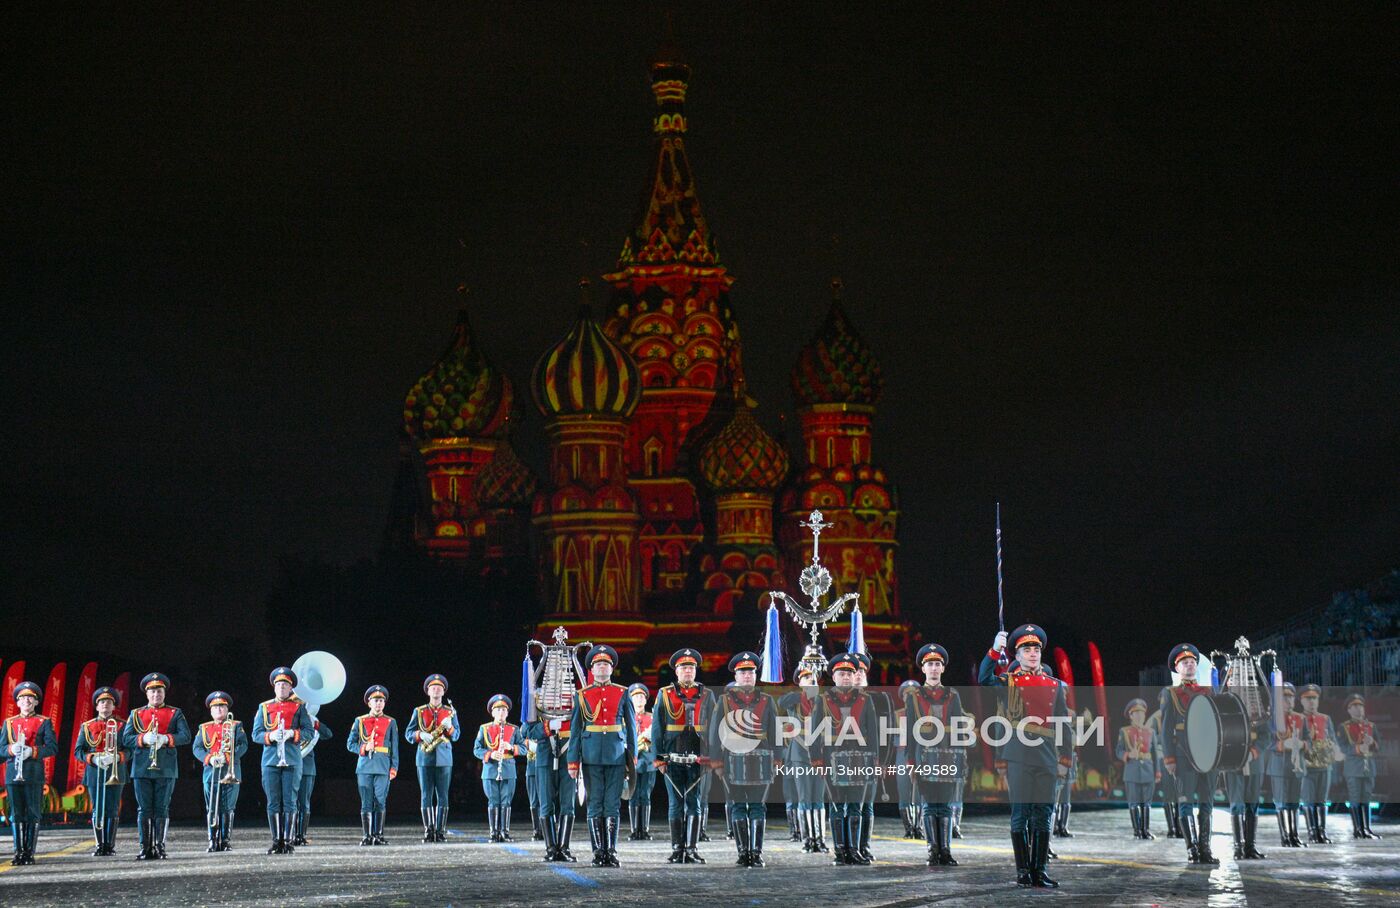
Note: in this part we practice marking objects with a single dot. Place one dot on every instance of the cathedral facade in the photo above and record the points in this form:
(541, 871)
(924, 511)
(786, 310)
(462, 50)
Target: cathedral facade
(667, 511)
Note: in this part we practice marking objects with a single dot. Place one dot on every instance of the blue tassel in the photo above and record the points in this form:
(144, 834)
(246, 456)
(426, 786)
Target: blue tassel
(772, 649)
(857, 642)
(527, 700)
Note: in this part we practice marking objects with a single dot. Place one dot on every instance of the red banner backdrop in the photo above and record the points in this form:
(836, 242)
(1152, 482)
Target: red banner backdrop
(82, 711)
(7, 703)
(1101, 696)
(53, 708)
(1066, 674)
(123, 688)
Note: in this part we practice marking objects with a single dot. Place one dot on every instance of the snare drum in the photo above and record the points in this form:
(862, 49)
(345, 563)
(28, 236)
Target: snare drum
(756, 767)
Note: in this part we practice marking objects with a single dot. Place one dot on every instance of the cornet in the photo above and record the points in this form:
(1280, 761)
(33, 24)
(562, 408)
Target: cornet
(155, 748)
(281, 742)
(19, 760)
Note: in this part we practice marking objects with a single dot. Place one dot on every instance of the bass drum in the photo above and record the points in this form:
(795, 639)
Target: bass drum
(1217, 733)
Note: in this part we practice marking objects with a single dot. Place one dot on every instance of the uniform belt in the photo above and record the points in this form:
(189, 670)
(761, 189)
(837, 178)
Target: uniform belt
(1034, 728)
(381, 750)
(602, 728)
(683, 727)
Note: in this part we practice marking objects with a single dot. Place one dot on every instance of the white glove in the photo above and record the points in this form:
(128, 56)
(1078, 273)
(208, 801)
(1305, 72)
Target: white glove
(15, 749)
(150, 738)
(21, 751)
(424, 737)
(531, 745)
(106, 760)
(999, 644)
(216, 760)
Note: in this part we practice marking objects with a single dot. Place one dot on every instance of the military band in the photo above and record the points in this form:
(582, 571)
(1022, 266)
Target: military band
(433, 727)
(106, 764)
(153, 733)
(374, 738)
(219, 745)
(497, 745)
(28, 738)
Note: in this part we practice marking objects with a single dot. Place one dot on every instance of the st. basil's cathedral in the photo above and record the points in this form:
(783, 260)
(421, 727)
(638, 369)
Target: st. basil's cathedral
(667, 510)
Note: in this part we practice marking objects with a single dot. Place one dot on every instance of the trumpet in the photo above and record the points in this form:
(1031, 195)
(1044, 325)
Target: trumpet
(226, 750)
(155, 748)
(109, 747)
(19, 760)
(438, 732)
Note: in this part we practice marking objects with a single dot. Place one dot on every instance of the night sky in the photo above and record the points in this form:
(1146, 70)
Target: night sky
(1131, 271)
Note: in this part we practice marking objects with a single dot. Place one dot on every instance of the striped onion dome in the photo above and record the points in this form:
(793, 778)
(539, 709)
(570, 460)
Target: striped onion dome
(586, 373)
(836, 367)
(742, 456)
(505, 482)
(462, 395)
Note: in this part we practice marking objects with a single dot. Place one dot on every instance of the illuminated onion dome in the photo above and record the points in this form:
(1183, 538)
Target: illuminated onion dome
(461, 395)
(742, 456)
(836, 367)
(505, 482)
(586, 373)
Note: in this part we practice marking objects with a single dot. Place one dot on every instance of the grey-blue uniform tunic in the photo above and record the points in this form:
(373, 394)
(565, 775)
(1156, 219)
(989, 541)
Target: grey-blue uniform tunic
(498, 776)
(1137, 750)
(1192, 786)
(1358, 767)
(372, 769)
(434, 766)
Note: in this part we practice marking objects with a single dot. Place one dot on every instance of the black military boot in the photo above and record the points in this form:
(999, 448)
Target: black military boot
(1366, 820)
(112, 836)
(1145, 810)
(1251, 827)
(30, 835)
(537, 831)
(274, 831)
(367, 828)
(1062, 821)
(161, 826)
(1040, 845)
(644, 821)
(1203, 824)
(633, 834)
(505, 824)
(287, 847)
(943, 827)
(694, 831)
(99, 848)
(610, 825)
(931, 834)
(728, 819)
(794, 828)
(596, 839)
(299, 828)
(1021, 848)
(904, 819)
(440, 818)
(17, 838)
(857, 833)
(427, 814)
(757, 829)
(677, 842)
(957, 822)
(379, 828)
(741, 843)
(551, 849)
(1237, 833)
(840, 850)
(1173, 818)
(704, 824)
(862, 840)
(213, 828)
(819, 825)
(805, 829)
(1293, 827)
(1357, 830)
(1282, 814)
(1320, 823)
(225, 826)
(1133, 819)
(1189, 832)
(566, 832)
